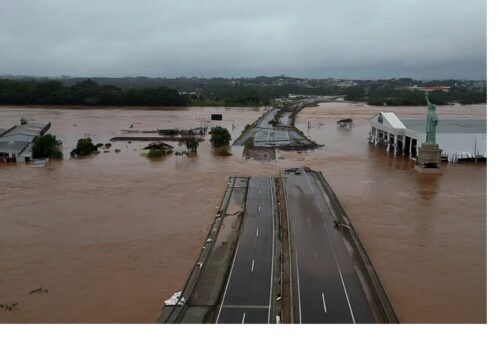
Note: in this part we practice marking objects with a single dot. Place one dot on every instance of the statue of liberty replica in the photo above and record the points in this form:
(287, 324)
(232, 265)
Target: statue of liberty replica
(429, 153)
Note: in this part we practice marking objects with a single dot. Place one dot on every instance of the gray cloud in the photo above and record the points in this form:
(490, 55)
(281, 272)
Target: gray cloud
(330, 38)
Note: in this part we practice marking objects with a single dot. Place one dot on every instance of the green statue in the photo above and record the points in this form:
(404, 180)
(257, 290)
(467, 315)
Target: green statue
(432, 121)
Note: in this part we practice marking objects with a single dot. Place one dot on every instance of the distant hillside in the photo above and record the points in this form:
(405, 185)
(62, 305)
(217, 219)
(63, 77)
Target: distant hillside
(256, 91)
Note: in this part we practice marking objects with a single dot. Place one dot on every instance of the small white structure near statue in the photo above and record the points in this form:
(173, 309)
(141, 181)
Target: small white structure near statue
(460, 138)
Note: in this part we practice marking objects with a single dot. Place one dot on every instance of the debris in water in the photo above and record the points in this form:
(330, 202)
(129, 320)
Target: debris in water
(9, 306)
(40, 290)
(175, 299)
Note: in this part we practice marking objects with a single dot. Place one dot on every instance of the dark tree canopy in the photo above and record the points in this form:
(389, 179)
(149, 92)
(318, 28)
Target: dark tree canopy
(258, 91)
(220, 137)
(87, 92)
(46, 146)
(84, 146)
(192, 144)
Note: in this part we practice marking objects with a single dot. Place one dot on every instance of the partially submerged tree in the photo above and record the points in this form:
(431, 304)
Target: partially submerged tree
(220, 137)
(192, 144)
(157, 153)
(47, 146)
(84, 147)
(220, 140)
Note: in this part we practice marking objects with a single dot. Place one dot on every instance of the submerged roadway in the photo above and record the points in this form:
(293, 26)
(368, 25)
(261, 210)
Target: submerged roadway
(247, 295)
(325, 280)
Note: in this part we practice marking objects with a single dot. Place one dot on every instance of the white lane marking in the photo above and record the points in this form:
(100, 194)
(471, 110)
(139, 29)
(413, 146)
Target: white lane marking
(298, 286)
(257, 233)
(247, 306)
(324, 304)
(272, 257)
(259, 207)
(336, 260)
(227, 284)
(253, 262)
(243, 320)
(343, 285)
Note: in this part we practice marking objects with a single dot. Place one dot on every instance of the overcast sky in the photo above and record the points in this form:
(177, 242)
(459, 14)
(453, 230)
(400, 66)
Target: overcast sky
(363, 39)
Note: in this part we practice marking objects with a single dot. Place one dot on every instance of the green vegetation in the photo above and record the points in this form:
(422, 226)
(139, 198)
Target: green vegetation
(47, 146)
(87, 92)
(84, 147)
(192, 144)
(392, 93)
(157, 153)
(258, 91)
(249, 143)
(355, 93)
(220, 137)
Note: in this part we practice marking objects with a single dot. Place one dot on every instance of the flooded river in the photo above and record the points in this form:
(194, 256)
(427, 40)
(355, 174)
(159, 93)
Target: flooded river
(112, 236)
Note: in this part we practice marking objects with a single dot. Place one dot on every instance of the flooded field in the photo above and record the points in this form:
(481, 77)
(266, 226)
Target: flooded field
(112, 236)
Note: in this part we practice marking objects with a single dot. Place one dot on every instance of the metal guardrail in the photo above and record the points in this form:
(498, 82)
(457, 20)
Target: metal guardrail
(292, 311)
(177, 311)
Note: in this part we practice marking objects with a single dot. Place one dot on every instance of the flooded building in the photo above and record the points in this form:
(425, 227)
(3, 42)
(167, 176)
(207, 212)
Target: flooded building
(15, 143)
(460, 139)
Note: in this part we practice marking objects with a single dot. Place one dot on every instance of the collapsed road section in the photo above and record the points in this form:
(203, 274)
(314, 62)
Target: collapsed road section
(275, 129)
(281, 250)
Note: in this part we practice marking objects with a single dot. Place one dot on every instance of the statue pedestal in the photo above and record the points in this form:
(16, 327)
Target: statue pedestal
(429, 156)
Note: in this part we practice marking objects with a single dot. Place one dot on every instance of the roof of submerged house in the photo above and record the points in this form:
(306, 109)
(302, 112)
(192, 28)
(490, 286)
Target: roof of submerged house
(159, 145)
(19, 137)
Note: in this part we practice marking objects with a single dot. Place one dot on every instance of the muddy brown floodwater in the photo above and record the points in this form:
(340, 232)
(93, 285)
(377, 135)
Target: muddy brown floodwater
(111, 237)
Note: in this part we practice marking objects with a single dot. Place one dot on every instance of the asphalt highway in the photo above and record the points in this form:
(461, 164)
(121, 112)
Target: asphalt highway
(326, 285)
(247, 295)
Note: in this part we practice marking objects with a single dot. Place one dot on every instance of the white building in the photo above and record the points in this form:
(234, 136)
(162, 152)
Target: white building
(16, 141)
(458, 138)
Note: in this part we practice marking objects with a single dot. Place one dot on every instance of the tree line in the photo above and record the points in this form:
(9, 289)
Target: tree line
(398, 97)
(141, 91)
(87, 92)
(259, 91)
